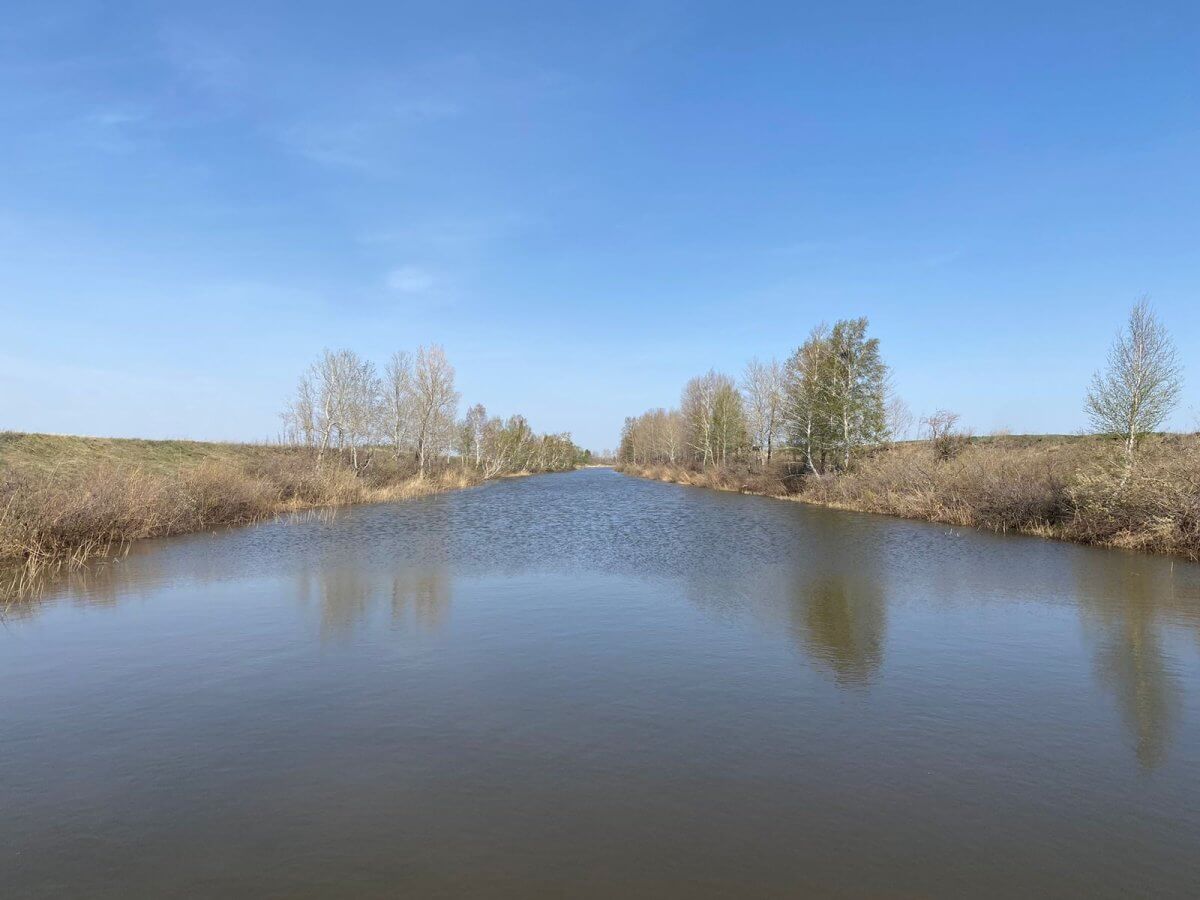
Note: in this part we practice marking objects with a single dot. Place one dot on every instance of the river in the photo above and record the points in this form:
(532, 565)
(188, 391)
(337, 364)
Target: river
(589, 685)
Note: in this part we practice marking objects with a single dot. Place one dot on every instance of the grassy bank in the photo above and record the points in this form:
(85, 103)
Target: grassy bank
(64, 500)
(1071, 488)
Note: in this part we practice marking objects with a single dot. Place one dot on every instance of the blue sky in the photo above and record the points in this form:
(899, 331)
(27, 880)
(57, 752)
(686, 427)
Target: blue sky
(585, 203)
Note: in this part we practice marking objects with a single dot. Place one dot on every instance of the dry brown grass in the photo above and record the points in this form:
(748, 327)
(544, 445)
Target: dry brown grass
(66, 500)
(1065, 487)
(742, 480)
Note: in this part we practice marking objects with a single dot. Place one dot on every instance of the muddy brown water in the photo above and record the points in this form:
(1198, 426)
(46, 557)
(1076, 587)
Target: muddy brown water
(588, 685)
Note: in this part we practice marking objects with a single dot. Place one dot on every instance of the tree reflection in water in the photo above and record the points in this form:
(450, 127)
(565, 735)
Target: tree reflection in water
(838, 610)
(842, 622)
(422, 597)
(1126, 602)
(348, 595)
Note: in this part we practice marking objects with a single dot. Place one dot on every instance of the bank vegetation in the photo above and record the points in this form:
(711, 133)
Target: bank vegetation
(825, 427)
(350, 436)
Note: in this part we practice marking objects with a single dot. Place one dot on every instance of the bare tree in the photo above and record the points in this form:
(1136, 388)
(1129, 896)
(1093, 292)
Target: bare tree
(342, 407)
(496, 452)
(673, 437)
(899, 418)
(361, 413)
(1142, 383)
(729, 420)
(697, 405)
(473, 430)
(762, 386)
(398, 401)
(945, 437)
(299, 424)
(329, 378)
(337, 407)
(714, 420)
(435, 402)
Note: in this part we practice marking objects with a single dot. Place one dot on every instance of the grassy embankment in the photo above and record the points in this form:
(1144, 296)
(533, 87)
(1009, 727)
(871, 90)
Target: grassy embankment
(1070, 488)
(64, 500)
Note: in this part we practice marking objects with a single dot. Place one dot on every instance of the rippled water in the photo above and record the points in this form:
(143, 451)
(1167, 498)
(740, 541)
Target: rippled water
(590, 685)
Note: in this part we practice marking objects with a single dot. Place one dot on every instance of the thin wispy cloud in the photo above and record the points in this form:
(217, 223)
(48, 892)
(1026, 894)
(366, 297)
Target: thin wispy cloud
(206, 61)
(942, 259)
(115, 130)
(370, 123)
(116, 118)
(451, 235)
(367, 137)
(344, 145)
(364, 118)
(804, 248)
(410, 280)
(424, 109)
(345, 119)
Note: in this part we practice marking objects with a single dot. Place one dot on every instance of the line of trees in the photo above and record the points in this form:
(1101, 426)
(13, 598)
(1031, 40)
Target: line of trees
(831, 401)
(828, 403)
(344, 407)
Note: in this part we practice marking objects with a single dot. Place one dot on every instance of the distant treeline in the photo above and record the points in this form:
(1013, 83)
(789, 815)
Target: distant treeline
(343, 406)
(827, 403)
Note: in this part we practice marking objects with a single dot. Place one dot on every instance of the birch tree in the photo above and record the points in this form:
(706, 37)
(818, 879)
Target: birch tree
(762, 386)
(342, 406)
(806, 412)
(397, 402)
(435, 402)
(337, 407)
(713, 419)
(472, 431)
(496, 452)
(729, 421)
(1142, 383)
(673, 437)
(330, 378)
(899, 418)
(697, 405)
(857, 387)
(361, 418)
(298, 418)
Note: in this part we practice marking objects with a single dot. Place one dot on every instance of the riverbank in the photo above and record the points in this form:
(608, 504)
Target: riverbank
(65, 500)
(1064, 487)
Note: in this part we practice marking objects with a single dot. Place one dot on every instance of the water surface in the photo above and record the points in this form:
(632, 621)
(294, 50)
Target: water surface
(588, 685)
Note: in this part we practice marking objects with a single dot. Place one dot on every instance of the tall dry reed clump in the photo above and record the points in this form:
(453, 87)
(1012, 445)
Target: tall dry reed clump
(1154, 508)
(56, 515)
(773, 482)
(1001, 485)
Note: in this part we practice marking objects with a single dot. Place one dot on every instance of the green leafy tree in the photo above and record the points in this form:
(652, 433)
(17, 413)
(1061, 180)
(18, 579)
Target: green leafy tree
(806, 413)
(857, 388)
